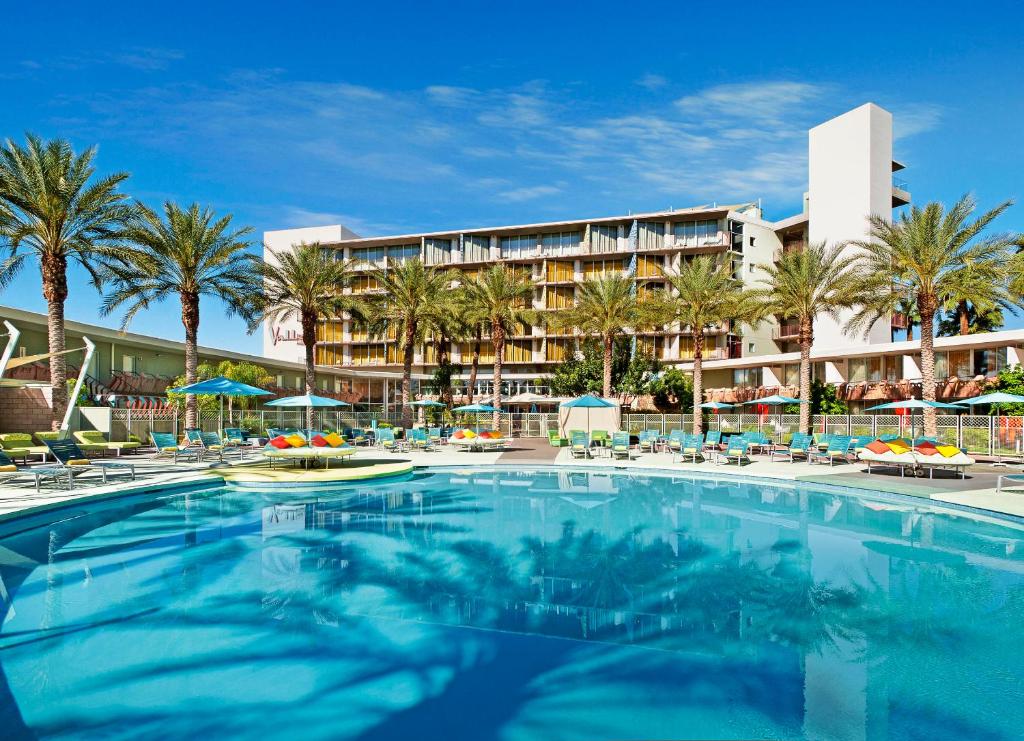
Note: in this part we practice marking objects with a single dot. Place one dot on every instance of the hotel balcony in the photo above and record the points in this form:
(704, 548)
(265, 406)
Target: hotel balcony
(786, 331)
(900, 194)
(869, 391)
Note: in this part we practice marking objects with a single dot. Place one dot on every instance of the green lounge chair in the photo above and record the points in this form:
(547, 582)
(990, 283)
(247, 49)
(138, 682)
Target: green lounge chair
(620, 445)
(555, 440)
(20, 445)
(600, 437)
(89, 438)
(167, 446)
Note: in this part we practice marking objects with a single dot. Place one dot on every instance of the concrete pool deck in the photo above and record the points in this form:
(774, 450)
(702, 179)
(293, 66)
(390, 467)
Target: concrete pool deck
(977, 490)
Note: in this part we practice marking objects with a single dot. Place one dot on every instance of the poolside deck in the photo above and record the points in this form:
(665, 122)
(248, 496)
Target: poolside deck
(977, 490)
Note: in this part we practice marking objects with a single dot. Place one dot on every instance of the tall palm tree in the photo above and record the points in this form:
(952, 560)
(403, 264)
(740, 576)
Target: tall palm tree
(702, 293)
(52, 206)
(604, 306)
(412, 301)
(500, 299)
(306, 282)
(932, 254)
(804, 285)
(185, 253)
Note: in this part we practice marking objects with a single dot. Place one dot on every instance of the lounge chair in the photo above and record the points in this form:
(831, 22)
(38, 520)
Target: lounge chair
(88, 438)
(211, 442)
(647, 441)
(931, 456)
(838, 450)
(71, 458)
(675, 441)
(167, 446)
(21, 445)
(600, 438)
(386, 439)
(620, 445)
(234, 436)
(757, 440)
(357, 436)
(420, 440)
(692, 446)
(466, 439)
(579, 444)
(9, 471)
(898, 453)
(799, 446)
(311, 452)
(435, 436)
(712, 439)
(736, 449)
(555, 440)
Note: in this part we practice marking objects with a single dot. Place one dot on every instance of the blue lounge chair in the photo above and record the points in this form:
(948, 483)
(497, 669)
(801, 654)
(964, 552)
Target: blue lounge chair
(166, 445)
(647, 440)
(9, 471)
(386, 439)
(72, 461)
(736, 449)
(838, 449)
(692, 446)
(579, 444)
(712, 439)
(800, 445)
(620, 445)
(675, 441)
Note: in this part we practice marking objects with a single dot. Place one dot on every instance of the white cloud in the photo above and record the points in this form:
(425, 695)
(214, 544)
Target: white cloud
(652, 82)
(528, 193)
(915, 119)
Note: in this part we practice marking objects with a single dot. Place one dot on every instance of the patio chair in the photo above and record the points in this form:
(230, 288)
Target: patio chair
(555, 440)
(799, 445)
(234, 436)
(386, 439)
(434, 433)
(757, 440)
(167, 446)
(712, 439)
(420, 440)
(620, 445)
(20, 445)
(692, 446)
(675, 441)
(71, 459)
(579, 444)
(9, 471)
(838, 449)
(89, 438)
(211, 442)
(647, 441)
(736, 449)
(357, 436)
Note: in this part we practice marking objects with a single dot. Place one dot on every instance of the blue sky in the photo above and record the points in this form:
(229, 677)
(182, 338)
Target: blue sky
(395, 117)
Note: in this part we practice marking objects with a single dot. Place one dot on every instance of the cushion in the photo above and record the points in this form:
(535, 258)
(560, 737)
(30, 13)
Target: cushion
(169, 449)
(280, 442)
(78, 462)
(296, 440)
(898, 447)
(319, 441)
(469, 434)
(495, 435)
(947, 451)
(927, 450)
(334, 440)
(459, 434)
(927, 444)
(877, 446)
(8, 468)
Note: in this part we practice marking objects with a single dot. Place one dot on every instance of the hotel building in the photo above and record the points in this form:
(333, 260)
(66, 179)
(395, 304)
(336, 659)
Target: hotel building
(850, 175)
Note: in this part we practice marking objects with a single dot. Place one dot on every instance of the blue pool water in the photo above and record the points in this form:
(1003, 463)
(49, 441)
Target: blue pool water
(500, 604)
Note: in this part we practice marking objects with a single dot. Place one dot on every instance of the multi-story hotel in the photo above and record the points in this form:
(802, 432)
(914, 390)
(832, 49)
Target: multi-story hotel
(850, 175)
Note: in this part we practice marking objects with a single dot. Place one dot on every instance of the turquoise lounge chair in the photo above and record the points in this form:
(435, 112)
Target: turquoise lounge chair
(800, 445)
(620, 445)
(579, 444)
(692, 446)
(166, 445)
(838, 449)
(736, 449)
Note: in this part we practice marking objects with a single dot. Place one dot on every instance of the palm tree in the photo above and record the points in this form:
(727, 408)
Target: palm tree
(932, 254)
(186, 253)
(306, 282)
(702, 293)
(52, 206)
(412, 301)
(804, 285)
(500, 299)
(604, 306)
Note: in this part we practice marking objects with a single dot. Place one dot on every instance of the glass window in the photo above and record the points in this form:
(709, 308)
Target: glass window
(559, 272)
(600, 267)
(437, 251)
(791, 375)
(560, 243)
(476, 248)
(746, 377)
(649, 266)
(518, 246)
(372, 255)
(989, 362)
(650, 235)
(403, 253)
(604, 238)
(559, 297)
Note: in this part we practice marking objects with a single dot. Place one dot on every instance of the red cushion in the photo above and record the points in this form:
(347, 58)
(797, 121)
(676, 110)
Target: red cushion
(926, 444)
(319, 442)
(280, 443)
(877, 446)
(459, 434)
(486, 434)
(927, 449)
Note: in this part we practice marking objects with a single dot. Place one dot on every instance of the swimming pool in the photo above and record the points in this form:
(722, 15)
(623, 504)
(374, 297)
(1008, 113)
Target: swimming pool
(491, 603)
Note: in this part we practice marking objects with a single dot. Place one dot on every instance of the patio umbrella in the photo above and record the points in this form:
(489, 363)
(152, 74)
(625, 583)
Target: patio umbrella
(477, 409)
(995, 399)
(424, 403)
(221, 386)
(716, 405)
(913, 404)
(308, 401)
(588, 402)
(774, 400)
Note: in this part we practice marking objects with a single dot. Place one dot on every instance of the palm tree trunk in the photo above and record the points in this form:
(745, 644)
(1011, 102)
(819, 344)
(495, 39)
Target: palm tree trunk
(190, 319)
(910, 330)
(309, 341)
(498, 338)
(926, 306)
(408, 347)
(55, 291)
(806, 339)
(965, 324)
(474, 367)
(444, 348)
(608, 346)
(698, 381)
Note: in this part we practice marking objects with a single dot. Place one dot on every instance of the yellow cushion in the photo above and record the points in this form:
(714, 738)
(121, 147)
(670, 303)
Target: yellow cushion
(334, 440)
(898, 447)
(947, 451)
(296, 441)
(168, 449)
(6, 469)
(78, 462)
(470, 434)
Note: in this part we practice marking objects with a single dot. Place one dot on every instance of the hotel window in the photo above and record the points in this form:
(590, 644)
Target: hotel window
(989, 362)
(560, 271)
(746, 377)
(861, 370)
(329, 331)
(649, 266)
(430, 352)
(686, 348)
(329, 356)
(650, 235)
(476, 248)
(486, 353)
(558, 350)
(601, 267)
(956, 363)
(363, 283)
(372, 255)
(604, 238)
(437, 251)
(403, 253)
(519, 351)
(653, 347)
(518, 246)
(696, 233)
(649, 290)
(791, 375)
(560, 243)
(818, 371)
(368, 354)
(559, 298)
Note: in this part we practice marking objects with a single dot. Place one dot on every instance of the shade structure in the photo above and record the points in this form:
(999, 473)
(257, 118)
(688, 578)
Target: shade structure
(221, 386)
(307, 400)
(588, 402)
(776, 400)
(995, 399)
(716, 405)
(426, 403)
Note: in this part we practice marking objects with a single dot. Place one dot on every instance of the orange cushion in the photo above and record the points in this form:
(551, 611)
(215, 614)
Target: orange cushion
(459, 434)
(927, 450)
(334, 440)
(318, 441)
(877, 446)
(296, 441)
(495, 435)
(280, 443)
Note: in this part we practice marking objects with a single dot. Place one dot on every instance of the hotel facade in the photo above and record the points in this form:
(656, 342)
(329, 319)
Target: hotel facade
(851, 174)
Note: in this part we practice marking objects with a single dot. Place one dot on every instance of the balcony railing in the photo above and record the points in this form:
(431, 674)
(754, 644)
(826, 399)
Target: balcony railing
(786, 331)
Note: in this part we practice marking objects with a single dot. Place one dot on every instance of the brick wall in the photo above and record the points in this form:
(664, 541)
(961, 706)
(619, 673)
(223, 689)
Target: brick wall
(25, 409)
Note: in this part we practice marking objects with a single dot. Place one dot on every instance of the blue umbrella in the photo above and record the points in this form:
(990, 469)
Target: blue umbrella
(716, 405)
(307, 401)
(477, 409)
(426, 403)
(913, 404)
(776, 400)
(221, 386)
(588, 402)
